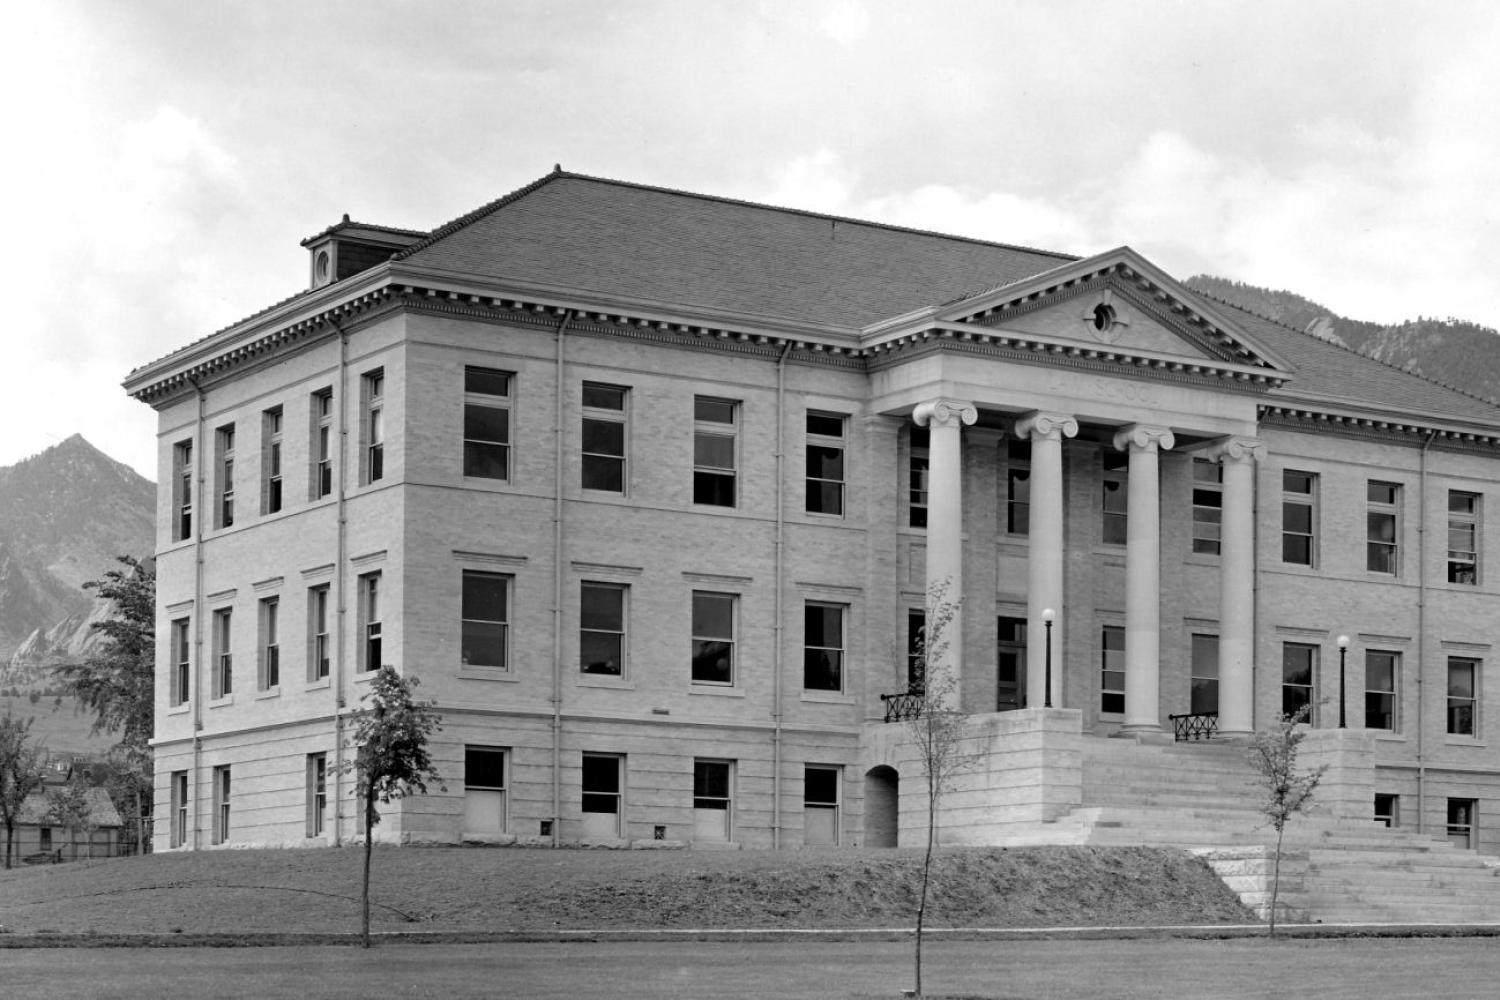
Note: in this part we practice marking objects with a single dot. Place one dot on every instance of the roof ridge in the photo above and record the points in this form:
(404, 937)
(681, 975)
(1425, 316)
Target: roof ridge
(559, 173)
(1340, 345)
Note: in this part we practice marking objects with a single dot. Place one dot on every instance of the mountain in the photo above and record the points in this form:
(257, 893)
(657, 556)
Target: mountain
(65, 514)
(1454, 352)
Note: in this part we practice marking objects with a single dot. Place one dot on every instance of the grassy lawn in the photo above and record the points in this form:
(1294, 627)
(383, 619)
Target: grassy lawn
(492, 889)
(1465, 969)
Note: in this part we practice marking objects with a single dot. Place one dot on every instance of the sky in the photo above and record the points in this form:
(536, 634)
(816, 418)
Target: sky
(167, 158)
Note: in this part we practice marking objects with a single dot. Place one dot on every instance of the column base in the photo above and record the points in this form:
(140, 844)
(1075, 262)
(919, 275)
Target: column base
(1147, 734)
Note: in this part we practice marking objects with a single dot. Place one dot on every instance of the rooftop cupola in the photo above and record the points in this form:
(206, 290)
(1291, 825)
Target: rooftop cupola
(347, 248)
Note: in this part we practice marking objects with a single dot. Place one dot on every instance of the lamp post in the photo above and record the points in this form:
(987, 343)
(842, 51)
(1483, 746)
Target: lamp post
(1047, 615)
(1343, 649)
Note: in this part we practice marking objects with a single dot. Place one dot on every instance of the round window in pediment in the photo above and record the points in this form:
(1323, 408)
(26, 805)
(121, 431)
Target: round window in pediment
(1104, 317)
(320, 268)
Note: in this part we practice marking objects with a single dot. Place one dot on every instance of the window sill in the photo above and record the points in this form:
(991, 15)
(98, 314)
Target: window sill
(828, 697)
(478, 673)
(223, 702)
(179, 709)
(817, 515)
(1386, 736)
(364, 676)
(318, 685)
(272, 692)
(605, 681)
(1463, 741)
(725, 691)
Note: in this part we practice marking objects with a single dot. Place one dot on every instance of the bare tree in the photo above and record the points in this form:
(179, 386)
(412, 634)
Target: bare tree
(391, 761)
(1288, 791)
(20, 774)
(937, 731)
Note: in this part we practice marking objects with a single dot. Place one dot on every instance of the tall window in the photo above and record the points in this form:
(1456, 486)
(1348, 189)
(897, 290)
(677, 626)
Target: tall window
(223, 655)
(823, 647)
(1382, 673)
(1463, 537)
(1463, 696)
(322, 444)
(1010, 671)
(713, 638)
(486, 619)
(1387, 809)
(1299, 672)
(1116, 507)
(317, 793)
(1382, 521)
(486, 423)
(224, 460)
(317, 632)
(601, 628)
(182, 665)
(820, 805)
(713, 800)
(182, 490)
(1299, 498)
(221, 804)
(1205, 680)
(484, 790)
(269, 668)
(370, 628)
(372, 425)
(917, 469)
(1018, 487)
(270, 460)
(715, 441)
(1112, 676)
(602, 794)
(1208, 505)
(1462, 820)
(916, 631)
(825, 463)
(179, 818)
(603, 437)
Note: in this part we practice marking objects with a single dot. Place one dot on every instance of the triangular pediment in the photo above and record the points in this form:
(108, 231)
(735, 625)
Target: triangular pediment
(1116, 302)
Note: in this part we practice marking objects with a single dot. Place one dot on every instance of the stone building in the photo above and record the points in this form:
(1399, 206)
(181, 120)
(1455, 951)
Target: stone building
(649, 490)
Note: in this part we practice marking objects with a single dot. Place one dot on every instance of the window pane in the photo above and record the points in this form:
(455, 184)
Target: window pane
(486, 423)
(825, 498)
(603, 397)
(484, 768)
(820, 786)
(602, 608)
(604, 437)
(825, 425)
(601, 774)
(718, 411)
(715, 451)
(710, 780)
(606, 474)
(600, 652)
(825, 463)
(486, 461)
(484, 596)
(487, 381)
(713, 662)
(713, 615)
(824, 625)
(1296, 482)
(716, 488)
(484, 644)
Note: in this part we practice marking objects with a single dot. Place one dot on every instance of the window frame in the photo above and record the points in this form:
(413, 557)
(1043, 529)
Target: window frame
(507, 583)
(593, 462)
(222, 792)
(588, 630)
(918, 476)
(477, 398)
(1393, 692)
(177, 832)
(1199, 676)
(823, 659)
(1456, 827)
(221, 631)
(1465, 561)
(317, 794)
(824, 488)
(182, 661)
(834, 774)
(273, 421)
(471, 783)
(1017, 488)
(1010, 642)
(368, 593)
(701, 639)
(224, 477)
(1383, 555)
(1111, 663)
(1314, 656)
(1390, 816)
(1458, 702)
(1304, 500)
(320, 441)
(372, 429)
(708, 478)
(182, 490)
(1208, 506)
(268, 643)
(319, 651)
(591, 798)
(1114, 497)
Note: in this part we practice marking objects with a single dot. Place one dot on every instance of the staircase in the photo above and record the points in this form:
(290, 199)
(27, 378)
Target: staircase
(1205, 796)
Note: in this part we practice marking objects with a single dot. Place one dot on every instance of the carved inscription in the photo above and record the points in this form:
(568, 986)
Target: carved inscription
(1114, 390)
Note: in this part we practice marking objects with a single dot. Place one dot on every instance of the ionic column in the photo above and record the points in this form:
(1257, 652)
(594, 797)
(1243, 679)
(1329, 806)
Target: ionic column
(944, 419)
(1237, 585)
(1143, 577)
(1044, 565)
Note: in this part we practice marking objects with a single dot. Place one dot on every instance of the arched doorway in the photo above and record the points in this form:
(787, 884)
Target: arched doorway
(882, 801)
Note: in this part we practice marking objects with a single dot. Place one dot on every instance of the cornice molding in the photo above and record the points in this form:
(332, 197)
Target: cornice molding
(1413, 433)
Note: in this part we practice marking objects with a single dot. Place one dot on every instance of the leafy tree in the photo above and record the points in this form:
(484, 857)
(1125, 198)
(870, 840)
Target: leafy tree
(20, 774)
(1288, 791)
(937, 732)
(118, 684)
(391, 759)
(69, 807)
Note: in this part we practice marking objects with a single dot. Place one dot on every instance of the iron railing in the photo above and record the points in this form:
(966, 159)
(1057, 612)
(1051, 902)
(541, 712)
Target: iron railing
(1195, 726)
(900, 707)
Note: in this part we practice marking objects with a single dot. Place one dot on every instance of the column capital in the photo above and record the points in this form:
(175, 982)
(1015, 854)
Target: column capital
(945, 413)
(1236, 449)
(1144, 437)
(1040, 425)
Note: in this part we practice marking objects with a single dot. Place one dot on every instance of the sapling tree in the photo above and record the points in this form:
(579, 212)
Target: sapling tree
(20, 774)
(937, 732)
(391, 759)
(1287, 790)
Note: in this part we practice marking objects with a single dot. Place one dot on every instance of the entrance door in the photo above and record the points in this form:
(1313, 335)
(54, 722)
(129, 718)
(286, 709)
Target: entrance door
(1010, 679)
